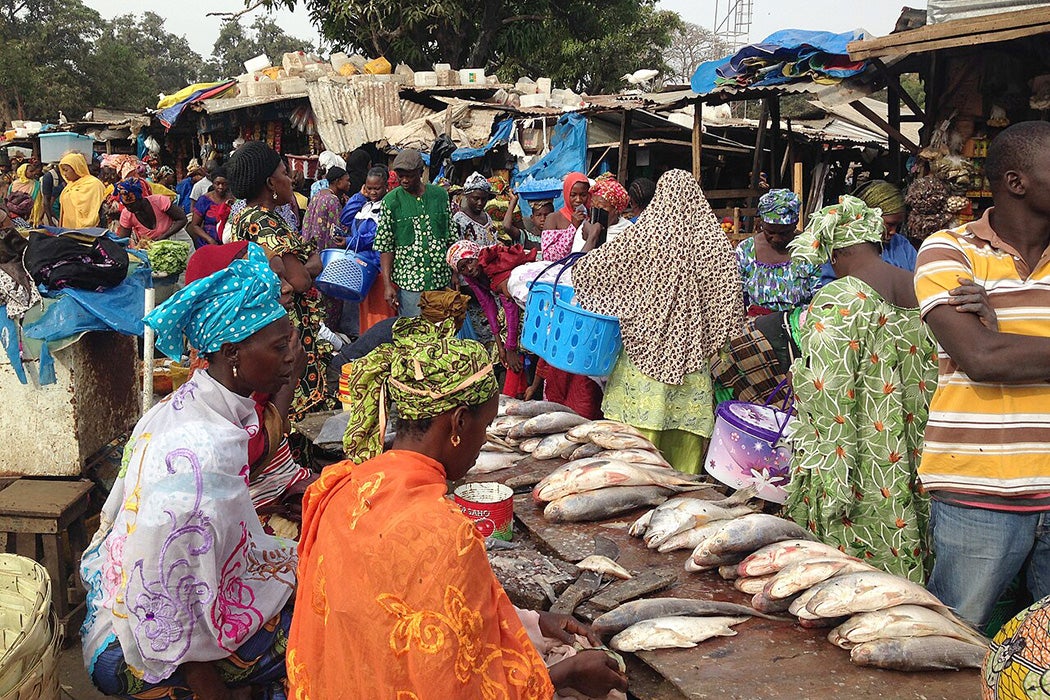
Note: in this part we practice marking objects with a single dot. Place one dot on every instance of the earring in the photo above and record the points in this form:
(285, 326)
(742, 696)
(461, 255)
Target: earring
(275, 196)
(455, 440)
(834, 259)
(235, 371)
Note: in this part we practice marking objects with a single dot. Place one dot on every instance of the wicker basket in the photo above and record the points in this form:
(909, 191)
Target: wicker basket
(29, 638)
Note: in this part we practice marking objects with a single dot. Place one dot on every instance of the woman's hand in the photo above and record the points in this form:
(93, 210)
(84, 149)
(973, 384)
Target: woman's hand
(565, 628)
(970, 297)
(592, 672)
(337, 241)
(578, 216)
(513, 360)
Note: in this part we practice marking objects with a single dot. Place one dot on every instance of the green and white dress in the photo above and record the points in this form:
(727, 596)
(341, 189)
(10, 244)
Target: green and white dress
(862, 389)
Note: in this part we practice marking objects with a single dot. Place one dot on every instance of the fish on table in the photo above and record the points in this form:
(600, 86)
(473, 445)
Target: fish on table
(746, 534)
(603, 503)
(774, 557)
(545, 424)
(582, 433)
(864, 592)
(552, 446)
(494, 461)
(805, 574)
(674, 632)
(599, 474)
(919, 654)
(635, 611)
(683, 513)
(604, 566)
(901, 621)
(531, 409)
(620, 441)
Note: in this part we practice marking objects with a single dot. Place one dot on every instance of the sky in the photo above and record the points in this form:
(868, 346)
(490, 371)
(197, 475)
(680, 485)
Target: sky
(187, 17)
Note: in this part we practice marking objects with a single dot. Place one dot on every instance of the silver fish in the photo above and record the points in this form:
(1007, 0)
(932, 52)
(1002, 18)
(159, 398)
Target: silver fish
(495, 447)
(505, 402)
(751, 585)
(603, 565)
(634, 456)
(587, 449)
(582, 433)
(919, 654)
(674, 632)
(866, 591)
(761, 602)
(900, 621)
(501, 425)
(546, 424)
(774, 557)
(702, 559)
(752, 532)
(683, 513)
(639, 526)
(493, 462)
(802, 575)
(592, 477)
(633, 612)
(529, 446)
(551, 447)
(620, 441)
(531, 409)
(690, 539)
(603, 503)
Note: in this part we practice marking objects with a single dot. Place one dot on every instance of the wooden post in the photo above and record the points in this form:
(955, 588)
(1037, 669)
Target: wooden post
(698, 138)
(797, 185)
(736, 221)
(625, 146)
(756, 160)
(893, 112)
(774, 161)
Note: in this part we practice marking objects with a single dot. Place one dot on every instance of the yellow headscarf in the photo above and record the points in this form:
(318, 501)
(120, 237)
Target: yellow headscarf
(81, 198)
(23, 183)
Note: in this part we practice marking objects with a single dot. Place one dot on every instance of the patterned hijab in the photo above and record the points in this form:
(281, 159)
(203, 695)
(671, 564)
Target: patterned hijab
(612, 192)
(679, 255)
(779, 207)
(426, 371)
(841, 225)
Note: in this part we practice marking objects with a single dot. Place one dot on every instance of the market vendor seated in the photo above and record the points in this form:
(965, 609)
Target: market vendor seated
(425, 616)
(148, 218)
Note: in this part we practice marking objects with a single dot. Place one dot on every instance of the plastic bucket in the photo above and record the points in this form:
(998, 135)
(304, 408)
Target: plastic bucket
(750, 446)
(346, 275)
(490, 505)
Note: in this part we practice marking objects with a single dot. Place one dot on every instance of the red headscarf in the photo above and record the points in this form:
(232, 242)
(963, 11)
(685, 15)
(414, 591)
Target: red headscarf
(571, 180)
(212, 258)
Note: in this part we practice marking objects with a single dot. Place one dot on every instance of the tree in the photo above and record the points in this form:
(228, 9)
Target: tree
(691, 46)
(235, 45)
(585, 44)
(167, 59)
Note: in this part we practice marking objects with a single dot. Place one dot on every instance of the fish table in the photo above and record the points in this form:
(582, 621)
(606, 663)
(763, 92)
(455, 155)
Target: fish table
(766, 659)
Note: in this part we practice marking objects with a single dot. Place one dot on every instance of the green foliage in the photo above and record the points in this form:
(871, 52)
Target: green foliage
(235, 45)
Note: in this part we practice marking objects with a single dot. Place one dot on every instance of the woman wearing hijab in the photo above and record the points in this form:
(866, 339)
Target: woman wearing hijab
(862, 390)
(773, 281)
(152, 218)
(692, 305)
(187, 596)
(897, 250)
(561, 226)
(257, 174)
(424, 617)
(608, 195)
(82, 196)
(472, 222)
(27, 181)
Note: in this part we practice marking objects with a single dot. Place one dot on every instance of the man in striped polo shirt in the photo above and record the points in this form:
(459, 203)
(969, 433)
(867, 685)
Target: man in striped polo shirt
(986, 460)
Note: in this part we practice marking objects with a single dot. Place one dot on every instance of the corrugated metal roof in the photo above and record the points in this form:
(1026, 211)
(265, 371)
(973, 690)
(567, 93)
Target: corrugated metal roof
(352, 114)
(229, 104)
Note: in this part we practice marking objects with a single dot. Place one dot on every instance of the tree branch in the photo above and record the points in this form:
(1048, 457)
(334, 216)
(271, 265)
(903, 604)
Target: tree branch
(237, 15)
(520, 18)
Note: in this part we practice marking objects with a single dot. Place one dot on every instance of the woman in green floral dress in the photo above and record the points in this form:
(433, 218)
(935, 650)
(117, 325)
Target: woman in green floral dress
(862, 388)
(258, 174)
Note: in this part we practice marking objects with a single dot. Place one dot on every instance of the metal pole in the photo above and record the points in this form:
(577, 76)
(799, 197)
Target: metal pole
(148, 340)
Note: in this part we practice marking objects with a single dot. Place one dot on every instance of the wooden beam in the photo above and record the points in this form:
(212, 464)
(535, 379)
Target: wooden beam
(732, 194)
(756, 159)
(625, 146)
(893, 84)
(698, 138)
(970, 40)
(884, 125)
(893, 116)
(797, 186)
(979, 30)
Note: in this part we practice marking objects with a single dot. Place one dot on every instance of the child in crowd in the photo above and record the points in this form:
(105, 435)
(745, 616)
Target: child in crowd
(540, 211)
(472, 222)
(360, 219)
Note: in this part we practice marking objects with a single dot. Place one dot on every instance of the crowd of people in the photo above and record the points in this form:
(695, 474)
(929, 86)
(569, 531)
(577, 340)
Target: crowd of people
(917, 376)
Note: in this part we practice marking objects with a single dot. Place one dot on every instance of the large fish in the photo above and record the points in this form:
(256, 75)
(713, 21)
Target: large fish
(603, 503)
(493, 462)
(620, 441)
(703, 560)
(587, 449)
(505, 402)
(751, 532)
(774, 557)
(551, 447)
(807, 573)
(546, 424)
(751, 585)
(683, 513)
(635, 611)
(690, 539)
(635, 456)
(529, 446)
(495, 447)
(594, 476)
(866, 591)
(501, 425)
(582, 432)
(900, 621)
(531, 409)
(760, 601)
(639, 526)
(919, 654)
(674, 632)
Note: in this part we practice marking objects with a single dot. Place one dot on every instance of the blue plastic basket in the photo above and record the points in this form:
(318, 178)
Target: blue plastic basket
(346, 275)
(566, 335)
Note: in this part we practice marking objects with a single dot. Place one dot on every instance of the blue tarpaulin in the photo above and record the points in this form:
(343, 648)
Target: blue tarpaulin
(786, 56)
(568, 153)
(500, 137)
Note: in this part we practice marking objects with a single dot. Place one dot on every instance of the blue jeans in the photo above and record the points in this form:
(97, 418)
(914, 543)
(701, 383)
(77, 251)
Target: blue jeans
(978, 552)
(408, 303)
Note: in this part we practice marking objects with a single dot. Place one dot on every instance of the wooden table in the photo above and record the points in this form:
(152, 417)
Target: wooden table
(766, 659)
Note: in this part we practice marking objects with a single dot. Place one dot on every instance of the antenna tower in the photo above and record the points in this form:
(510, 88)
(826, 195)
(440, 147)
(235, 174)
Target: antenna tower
(733, 21)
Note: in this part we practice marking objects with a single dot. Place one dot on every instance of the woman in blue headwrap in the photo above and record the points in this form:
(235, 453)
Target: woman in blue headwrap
(187, 595)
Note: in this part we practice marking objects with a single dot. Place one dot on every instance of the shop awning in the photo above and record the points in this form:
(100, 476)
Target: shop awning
(957, 33)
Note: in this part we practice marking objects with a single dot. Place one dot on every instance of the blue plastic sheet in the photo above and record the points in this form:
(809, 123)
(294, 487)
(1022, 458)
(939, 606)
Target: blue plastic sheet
(568, 154)
(500, 137)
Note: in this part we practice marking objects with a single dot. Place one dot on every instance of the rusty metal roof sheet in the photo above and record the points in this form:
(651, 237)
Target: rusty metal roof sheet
(349, 115)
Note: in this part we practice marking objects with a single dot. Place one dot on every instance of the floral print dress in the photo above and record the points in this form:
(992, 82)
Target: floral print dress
(274, 234)
(776, 287)
(862, 389)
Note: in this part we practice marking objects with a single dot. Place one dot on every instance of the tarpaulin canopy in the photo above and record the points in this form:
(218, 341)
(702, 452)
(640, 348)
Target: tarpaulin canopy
(204, 91)
(568, 153)
(499, 138)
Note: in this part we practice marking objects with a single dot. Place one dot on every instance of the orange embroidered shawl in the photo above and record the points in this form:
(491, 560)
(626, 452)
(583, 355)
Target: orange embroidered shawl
(396, 598)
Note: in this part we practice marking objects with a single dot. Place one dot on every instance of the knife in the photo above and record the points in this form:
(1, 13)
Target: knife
(588, 583)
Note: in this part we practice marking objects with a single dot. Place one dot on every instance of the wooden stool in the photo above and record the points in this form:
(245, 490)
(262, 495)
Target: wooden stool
(34, 516)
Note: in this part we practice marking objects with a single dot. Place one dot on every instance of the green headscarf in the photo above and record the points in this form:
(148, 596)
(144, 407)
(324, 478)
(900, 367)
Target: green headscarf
(427, 372)
(884, 195)
(841, 225)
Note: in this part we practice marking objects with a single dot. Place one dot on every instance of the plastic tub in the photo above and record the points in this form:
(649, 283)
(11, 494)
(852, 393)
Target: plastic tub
(256, 64)
(346, 275)
(490, 505)
(750, 446)
(57, 144)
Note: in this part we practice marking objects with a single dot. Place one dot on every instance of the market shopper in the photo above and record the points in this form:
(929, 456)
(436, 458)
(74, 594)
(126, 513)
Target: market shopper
(321, 223)
(690, 307)
(560, 227)
(609, 196)
(152, 218)
(82, 196)
(897, 250)
(641, 192)
(360, 220)
(862, 390)
(413, 236)
(211, 212)
(424, 599)
(258, 174)
(472, 222)
(203, 184)
(51, 185)
(187, 596)
(773, 279)
(986, 461)
(27, 181)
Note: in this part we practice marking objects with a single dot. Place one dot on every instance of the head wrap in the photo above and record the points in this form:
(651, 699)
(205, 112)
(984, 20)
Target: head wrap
(462, 250)
(477, 183)
(884, 195)
(612, 192)
(571, 180)
(333, 174)
(77, 163)
(193, 165)
(498, 261)
(437, 306)
(427, 372)
(132, 186)
(212, 258)
(80, 199)
(329, 160)
(841, 225)
(779, 207)
(679, 255)
(499, 184)
(249, 167)
(225, 307)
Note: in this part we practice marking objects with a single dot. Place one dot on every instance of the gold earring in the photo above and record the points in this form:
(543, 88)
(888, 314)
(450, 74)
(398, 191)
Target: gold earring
(235, 371)
(455, 440)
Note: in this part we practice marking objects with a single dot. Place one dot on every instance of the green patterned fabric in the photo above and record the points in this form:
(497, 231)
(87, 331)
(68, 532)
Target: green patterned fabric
(841, 225)
(862, 389)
